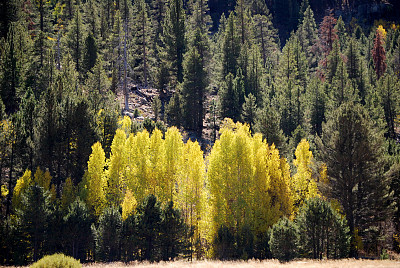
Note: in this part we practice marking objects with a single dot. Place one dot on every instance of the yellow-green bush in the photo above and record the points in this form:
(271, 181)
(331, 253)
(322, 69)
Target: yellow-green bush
(57, 261)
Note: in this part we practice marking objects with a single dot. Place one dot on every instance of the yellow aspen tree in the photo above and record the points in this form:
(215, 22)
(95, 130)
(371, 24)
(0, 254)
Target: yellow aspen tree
(279, 186)
(261, 213)
(42, 178)
(128, 205)
(303, 185)
(22, 184)
(190, 187)
(173, 161)
(157, 157)
(116, 166)
(95, 181)
(125, 124)
(68, 195)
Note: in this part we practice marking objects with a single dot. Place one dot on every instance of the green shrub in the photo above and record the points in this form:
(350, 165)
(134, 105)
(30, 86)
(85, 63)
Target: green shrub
(57, 261)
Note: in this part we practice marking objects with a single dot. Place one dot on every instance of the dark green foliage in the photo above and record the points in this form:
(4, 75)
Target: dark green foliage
(245, 243)
(149, 227)
(14, 57)
(130, 239)
(323, 231)
(174, 234)
(34, 219)
(173, 38)
(108, 235)
(352, 150)
(249, 110)
(224, 244)
(284, 240)
(267, 123)
(57, 260)
(230, 49)
(77, 230)
(195, 83)
(156, 106)
(89, 53)
(174, 110)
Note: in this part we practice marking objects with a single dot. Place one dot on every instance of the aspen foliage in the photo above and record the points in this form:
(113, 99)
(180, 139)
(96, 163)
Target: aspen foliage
(43, 178)
(191, 192)
(128, 205)
(94, 180)
(248, 181)
(68, 195)
(22, 184)
(303, 185)
(115, 171)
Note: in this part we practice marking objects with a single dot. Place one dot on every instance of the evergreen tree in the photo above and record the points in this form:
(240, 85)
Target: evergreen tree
(327, 35)
(231, 48)
(142, 45)
(74, 40)
(352, 150)
(356, 69)
(108, 235)
(149, 227)
(174, 233)
(379, 53)
(308, 36)
(194, 85)
(265, 34)
(249, 110)
(174, 40)
(14, 58)
(267, 123)
(174, 110)
(77, 229)
(341, 32)
(34, 214)
(323, 232)
(388, 90)
(89, 54)
(284, 240)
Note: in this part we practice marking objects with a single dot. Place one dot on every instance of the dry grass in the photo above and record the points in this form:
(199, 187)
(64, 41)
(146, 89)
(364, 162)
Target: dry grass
(257, 264)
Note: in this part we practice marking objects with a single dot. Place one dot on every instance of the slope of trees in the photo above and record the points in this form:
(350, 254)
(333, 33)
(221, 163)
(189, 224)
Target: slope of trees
(255, 118)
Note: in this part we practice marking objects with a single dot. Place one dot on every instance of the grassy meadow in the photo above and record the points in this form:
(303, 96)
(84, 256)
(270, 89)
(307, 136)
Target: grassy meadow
(350, 263)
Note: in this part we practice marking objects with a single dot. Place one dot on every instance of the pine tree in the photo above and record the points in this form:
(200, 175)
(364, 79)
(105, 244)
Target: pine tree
(108, 235)
(15, 60)
(388, 90)
(267, 123)
(266, 36)
(89, 54)
(174, 40)
(327, 35)
(308, 36)
(231, 48)
(74, 40)
(194, 84)
(149, 221)
(34, 214)
(142, 43)
(379, 53)
(341, 32)
(249, 110)
(352, 150)
(356, 69)
(77, 229)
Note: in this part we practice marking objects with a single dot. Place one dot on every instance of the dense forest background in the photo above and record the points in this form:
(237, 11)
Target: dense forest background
(163, 129)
